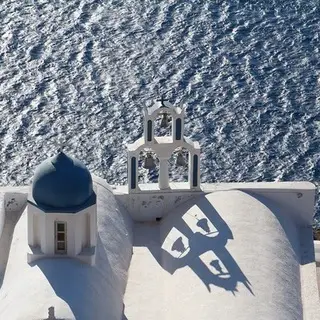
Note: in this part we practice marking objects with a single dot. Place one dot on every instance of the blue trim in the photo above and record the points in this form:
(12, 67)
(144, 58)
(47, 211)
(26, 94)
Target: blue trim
(178, 129)
(133, 172)
(149, 130)
(195, 171)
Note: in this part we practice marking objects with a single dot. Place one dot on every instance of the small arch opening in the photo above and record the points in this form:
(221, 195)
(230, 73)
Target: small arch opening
(179, 165)
(148, 167)
(163, 124)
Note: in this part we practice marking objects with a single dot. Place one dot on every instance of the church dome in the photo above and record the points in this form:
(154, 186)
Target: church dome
(61, 182)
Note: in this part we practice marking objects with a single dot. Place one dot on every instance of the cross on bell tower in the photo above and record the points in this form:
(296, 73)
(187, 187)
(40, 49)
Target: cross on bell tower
(162, 100)
(163, 146)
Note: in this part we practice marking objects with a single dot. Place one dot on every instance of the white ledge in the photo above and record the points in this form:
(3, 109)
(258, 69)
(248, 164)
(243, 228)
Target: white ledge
(317, 250)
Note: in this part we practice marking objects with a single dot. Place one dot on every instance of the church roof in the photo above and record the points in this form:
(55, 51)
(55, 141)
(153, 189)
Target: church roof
(62, 183)
(230, 254)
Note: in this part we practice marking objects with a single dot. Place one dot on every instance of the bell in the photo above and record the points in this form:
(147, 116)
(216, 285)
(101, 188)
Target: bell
(180, 161)
(149, 162)
(164, 121)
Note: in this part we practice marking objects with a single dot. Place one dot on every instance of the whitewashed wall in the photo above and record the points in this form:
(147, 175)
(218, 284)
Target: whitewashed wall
(150, 206)
(81, 230)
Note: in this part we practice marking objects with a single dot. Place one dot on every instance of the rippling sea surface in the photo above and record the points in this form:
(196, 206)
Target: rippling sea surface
(79, 73)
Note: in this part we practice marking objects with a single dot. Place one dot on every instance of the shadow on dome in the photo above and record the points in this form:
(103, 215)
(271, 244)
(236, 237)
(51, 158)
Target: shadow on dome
(84, 287)
(219, 268)
(290, 229)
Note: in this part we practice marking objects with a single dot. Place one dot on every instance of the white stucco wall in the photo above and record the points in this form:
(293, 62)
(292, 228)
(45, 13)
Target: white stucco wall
(36, 230)
(81, 229)
(150, 203)
(12, 204)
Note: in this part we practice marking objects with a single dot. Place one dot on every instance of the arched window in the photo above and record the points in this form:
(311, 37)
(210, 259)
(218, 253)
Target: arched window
(133, 172)
(178, 129)
(163, 124)
(195, 171)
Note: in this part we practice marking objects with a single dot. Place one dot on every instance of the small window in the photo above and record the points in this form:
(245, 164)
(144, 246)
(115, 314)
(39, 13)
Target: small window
(60, 237)
(61, 246)
(60, 227)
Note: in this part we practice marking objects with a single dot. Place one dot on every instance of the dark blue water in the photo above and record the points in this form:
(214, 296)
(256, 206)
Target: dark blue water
(78, 73)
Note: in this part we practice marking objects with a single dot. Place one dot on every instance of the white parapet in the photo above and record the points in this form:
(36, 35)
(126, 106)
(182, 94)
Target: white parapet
(298, 198)
(317, 250)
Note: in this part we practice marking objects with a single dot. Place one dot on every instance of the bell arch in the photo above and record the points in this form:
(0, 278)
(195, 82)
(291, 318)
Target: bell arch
(179, 165)
(148, 167)
(163, 123)
(163, 119)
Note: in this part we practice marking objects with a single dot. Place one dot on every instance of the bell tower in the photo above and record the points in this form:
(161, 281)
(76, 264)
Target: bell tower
(163, 147)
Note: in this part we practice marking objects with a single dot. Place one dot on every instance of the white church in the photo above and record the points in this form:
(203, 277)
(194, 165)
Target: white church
(74, 247)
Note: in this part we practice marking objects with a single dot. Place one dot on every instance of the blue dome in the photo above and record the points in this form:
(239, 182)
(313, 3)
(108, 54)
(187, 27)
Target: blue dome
(61, 182)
